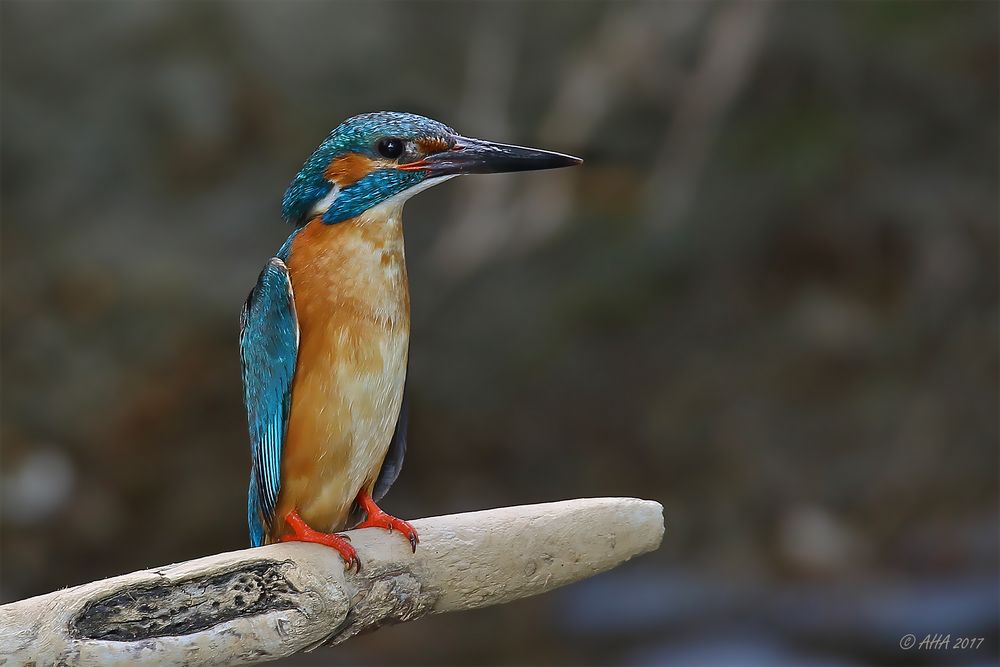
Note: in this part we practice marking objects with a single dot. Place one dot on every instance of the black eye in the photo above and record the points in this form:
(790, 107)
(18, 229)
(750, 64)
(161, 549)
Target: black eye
(390, 147)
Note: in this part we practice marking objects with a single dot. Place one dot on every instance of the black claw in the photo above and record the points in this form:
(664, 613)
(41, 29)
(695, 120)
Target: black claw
(413, 543)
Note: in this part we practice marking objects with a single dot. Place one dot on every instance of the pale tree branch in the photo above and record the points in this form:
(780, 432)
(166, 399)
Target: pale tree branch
(261, 604)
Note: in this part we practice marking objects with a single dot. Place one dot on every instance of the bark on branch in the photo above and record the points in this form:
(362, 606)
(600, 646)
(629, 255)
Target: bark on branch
(261, 604)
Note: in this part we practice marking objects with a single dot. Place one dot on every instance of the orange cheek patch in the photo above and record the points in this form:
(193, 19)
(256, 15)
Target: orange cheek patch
(433, 145)
(349, 169)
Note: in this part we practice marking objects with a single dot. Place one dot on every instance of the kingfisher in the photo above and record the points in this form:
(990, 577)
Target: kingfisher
(324, 334)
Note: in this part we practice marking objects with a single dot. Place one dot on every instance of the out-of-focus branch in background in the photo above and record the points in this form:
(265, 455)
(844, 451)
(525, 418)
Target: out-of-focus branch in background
(476, 228)
(599, 78)
(729, 52)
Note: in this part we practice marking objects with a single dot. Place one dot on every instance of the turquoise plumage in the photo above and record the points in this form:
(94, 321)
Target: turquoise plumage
(269, 340)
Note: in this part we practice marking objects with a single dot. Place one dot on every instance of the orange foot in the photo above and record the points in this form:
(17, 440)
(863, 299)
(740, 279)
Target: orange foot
(379, 519)
(303, 533)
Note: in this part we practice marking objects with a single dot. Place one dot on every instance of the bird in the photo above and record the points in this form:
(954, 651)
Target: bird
(324, 333)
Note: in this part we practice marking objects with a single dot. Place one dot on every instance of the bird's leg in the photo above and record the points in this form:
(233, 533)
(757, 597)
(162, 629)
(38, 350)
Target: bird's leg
(376, 518)
(301, 532)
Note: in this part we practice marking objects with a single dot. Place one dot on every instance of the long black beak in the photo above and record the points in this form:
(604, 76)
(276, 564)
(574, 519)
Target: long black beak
(474, 156)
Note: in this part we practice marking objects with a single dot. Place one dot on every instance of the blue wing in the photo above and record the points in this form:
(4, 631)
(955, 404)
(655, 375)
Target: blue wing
(393, 462)
(269, 343)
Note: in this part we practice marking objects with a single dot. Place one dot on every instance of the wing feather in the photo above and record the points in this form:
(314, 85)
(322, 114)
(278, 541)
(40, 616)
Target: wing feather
(269, 343)
(393, 462)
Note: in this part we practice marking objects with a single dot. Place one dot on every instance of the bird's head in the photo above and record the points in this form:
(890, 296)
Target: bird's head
(375, 157)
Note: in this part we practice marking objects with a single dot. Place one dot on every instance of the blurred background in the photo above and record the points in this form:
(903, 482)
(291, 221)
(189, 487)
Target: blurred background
(768, 300)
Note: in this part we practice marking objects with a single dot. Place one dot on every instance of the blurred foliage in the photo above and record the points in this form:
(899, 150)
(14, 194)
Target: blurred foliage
(767, 300)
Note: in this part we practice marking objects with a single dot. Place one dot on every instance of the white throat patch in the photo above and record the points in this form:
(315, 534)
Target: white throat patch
(394, 202)
(324, 204)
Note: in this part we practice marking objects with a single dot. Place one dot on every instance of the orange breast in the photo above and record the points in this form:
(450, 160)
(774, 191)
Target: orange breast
(352, 303)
